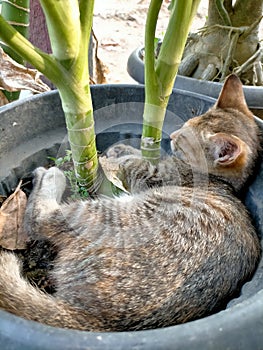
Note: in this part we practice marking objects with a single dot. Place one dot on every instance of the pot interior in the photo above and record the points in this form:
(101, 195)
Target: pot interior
(43, 136)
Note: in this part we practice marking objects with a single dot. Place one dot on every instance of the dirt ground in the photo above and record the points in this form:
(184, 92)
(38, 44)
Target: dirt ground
(119, 28)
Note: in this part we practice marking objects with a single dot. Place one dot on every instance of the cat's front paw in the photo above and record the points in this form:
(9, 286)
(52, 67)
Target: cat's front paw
(121, 150)
(49, 183)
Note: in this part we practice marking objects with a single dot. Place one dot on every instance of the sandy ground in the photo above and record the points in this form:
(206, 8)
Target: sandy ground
(119, 28)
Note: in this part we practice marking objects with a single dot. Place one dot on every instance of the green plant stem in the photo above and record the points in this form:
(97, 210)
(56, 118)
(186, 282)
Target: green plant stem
(16, 12)
(68, 70)
(160, 74)
(45, 63)
(63, 24)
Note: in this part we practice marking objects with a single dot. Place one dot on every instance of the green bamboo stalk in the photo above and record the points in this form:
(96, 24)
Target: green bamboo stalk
(69, 24)
(67, 68)
(16, 13)
(63, 24)
(160, 74)
(45, 63)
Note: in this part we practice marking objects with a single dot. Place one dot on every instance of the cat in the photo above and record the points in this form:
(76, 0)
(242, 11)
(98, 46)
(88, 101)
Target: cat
(172, 251)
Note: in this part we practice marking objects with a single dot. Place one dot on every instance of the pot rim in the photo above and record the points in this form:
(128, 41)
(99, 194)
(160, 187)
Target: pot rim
(135, 68)
(220, 330)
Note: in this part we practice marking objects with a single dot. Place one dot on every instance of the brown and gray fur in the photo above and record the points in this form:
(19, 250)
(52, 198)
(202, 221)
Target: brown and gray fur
(172, 251)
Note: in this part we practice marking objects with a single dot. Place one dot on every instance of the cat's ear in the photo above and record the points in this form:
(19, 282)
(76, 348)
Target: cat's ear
(227, 150)
(232, 95)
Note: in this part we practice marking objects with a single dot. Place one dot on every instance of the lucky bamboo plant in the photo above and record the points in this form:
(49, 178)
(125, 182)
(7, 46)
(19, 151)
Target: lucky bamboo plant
(69, 24)
(160, 72)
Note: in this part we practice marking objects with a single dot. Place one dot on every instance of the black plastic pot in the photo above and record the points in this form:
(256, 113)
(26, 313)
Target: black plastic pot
(31, 131)
(135, 68)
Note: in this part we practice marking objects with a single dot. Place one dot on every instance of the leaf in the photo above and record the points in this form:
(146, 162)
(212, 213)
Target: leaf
(110, 168)
(16, 77)
(101, 68)
(101, 71)
(12, 235)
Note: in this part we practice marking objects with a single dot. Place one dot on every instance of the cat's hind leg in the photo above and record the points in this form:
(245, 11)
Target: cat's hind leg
(48, 184)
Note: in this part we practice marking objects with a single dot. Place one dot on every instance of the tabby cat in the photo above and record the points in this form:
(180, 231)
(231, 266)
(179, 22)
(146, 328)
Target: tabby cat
(173, 250)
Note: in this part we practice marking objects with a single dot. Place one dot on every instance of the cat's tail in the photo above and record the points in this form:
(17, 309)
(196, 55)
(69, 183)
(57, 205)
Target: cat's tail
(22, 299)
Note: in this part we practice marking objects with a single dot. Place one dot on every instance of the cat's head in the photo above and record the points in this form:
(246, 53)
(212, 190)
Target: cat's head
(225, 140)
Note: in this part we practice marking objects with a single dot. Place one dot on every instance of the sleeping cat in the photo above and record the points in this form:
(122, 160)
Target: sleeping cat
(172, 251)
